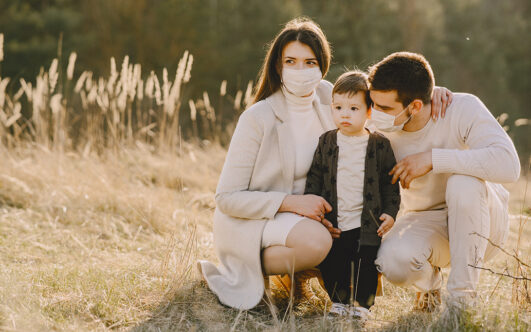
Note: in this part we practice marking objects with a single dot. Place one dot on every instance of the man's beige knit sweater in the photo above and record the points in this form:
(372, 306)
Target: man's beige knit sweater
(467, 141)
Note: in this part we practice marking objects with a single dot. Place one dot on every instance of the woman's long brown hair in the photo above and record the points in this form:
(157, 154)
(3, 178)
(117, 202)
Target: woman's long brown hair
(303, 30)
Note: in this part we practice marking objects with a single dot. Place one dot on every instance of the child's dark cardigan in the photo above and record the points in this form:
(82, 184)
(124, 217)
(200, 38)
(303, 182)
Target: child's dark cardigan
(379, 195)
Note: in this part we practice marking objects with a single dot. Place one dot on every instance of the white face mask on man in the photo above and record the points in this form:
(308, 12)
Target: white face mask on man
(386, 122)
(301, 82)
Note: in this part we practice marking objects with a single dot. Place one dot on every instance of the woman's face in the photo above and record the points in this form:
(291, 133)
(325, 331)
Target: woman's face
(297, 55)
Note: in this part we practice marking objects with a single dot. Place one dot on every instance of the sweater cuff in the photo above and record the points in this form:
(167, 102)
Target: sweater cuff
(276, 201)
(441, 160)
(391, 211)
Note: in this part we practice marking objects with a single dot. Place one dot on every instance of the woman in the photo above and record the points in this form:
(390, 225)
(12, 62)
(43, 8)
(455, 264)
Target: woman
(263, 224)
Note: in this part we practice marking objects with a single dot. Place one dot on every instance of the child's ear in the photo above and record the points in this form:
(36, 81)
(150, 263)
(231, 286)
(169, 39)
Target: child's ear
(369, 109)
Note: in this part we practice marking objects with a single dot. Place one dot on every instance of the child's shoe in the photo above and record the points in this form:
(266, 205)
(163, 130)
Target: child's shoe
(340, 309)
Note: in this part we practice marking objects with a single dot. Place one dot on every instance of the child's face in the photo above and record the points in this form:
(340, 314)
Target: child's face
(350, 113)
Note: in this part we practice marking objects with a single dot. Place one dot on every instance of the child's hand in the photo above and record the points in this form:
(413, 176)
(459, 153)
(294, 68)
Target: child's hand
(335, 232)
(386, 225)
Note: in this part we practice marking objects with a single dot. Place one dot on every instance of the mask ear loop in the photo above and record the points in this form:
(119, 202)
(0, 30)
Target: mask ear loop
(409, 118)
(410, 115)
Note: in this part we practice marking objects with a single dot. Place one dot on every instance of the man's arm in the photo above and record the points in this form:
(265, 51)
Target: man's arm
(491, 154)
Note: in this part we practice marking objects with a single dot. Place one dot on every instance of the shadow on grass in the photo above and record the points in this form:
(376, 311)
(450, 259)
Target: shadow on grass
(454, 319)
(194, 307)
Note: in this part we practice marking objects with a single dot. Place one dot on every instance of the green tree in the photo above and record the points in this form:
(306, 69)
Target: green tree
(32, 32)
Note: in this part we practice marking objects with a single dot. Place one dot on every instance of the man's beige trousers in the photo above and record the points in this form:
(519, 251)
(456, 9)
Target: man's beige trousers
(421, 242)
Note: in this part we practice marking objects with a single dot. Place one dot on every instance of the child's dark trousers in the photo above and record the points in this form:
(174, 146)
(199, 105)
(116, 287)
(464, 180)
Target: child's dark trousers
(346, 256)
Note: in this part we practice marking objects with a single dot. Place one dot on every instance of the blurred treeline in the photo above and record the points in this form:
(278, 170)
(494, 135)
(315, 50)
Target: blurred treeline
(477, 46)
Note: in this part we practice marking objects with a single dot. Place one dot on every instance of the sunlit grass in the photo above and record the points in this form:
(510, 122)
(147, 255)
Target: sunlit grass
(104, 210)
(111, 242)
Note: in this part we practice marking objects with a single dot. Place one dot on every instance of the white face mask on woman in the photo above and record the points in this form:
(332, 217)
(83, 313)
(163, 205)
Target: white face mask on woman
(301, 82)
(386, 122)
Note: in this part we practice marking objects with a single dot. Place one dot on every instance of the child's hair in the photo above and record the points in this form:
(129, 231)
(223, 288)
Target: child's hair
(351, 83)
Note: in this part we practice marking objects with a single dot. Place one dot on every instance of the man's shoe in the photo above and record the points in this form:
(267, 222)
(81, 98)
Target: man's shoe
(428, 301)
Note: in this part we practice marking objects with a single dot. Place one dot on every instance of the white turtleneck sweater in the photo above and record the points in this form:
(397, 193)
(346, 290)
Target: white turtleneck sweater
(306, 129)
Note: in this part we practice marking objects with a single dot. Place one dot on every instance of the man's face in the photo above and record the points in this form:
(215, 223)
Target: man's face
(387, 102)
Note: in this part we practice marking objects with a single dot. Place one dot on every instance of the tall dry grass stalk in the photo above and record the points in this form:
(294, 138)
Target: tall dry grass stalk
(62, 112)
(91, 243)
(521, 292)
(1, 47)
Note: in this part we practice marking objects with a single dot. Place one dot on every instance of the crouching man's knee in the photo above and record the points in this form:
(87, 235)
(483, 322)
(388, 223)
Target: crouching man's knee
(463, 189)
(400, 265)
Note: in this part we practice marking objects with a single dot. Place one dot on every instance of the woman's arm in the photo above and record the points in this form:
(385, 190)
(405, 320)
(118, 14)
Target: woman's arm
(311, 206)
(233, 196)
(441, 99)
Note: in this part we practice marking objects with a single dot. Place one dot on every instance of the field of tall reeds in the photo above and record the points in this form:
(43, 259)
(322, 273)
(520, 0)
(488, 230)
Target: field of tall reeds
(86, 113)
(106, 202)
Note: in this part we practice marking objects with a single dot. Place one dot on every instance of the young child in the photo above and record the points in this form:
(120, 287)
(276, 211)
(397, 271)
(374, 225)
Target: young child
(350, 169)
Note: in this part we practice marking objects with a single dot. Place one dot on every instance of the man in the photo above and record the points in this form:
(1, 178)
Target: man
(450, 171)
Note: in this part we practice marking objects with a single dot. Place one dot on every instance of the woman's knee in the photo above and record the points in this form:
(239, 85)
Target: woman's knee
(323, 244)
(311, 240)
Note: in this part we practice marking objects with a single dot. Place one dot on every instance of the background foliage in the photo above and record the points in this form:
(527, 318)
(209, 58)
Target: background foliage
(477, 46)
(104, 208)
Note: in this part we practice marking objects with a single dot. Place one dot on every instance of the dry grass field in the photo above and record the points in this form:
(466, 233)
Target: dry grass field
(104, 210)
(109, 243)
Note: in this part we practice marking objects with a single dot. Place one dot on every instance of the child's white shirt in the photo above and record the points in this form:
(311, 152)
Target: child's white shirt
(350, 179)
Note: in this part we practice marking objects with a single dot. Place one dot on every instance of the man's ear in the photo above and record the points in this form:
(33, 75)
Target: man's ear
(416, 106)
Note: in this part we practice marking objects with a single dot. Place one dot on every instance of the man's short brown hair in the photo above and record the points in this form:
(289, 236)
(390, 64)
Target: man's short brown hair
(352, 82)
(408, 73)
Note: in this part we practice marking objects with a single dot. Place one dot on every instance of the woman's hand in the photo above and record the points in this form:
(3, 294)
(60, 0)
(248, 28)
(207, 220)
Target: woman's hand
(441, 99)
(311, 206)
(386, 225)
